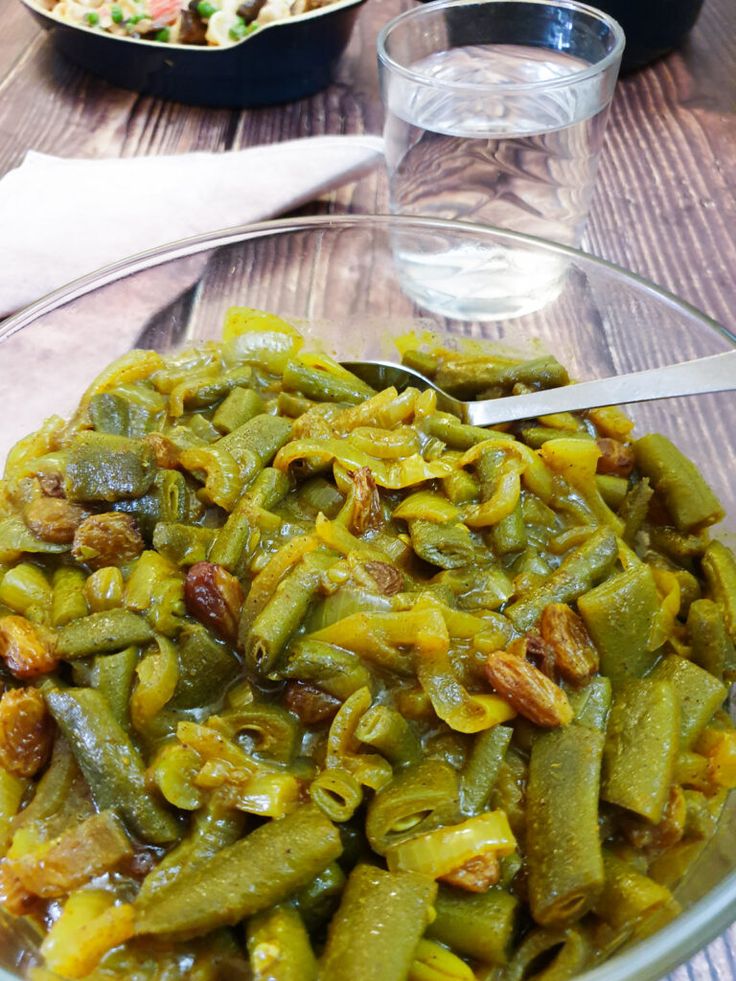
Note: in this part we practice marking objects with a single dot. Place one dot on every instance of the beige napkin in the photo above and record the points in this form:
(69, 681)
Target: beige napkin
(62, 218)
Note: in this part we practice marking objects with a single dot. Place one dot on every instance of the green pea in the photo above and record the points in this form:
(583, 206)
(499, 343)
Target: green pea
(206, 9)
(92, 18)
(239, 30)
(163, 34)
(116, 13)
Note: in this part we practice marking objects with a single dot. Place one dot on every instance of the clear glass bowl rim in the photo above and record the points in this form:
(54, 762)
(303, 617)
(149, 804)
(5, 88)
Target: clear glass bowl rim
(705, 919)
(574, 78)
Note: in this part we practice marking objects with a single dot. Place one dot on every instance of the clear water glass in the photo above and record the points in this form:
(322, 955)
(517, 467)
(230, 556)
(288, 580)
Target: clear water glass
(495, 114)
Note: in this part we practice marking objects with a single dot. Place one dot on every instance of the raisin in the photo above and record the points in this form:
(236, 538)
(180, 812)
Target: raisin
(104, 539)
(388, 579)
(575, 657)
(616, 458)
(165, 452)
(366, 510)
(214, 597)
(53, 519)
(26, 732)
(311, 704)
(26, 648)
(527, 690)
(52, 484)
(476, 875)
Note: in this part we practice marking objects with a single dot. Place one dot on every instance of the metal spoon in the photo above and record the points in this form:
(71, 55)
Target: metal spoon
(716, 373)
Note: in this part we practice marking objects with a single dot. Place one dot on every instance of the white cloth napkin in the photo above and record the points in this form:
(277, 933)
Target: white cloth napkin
(62, 218)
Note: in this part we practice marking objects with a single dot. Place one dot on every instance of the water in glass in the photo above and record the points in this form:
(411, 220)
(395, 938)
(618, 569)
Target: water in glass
(521, 158)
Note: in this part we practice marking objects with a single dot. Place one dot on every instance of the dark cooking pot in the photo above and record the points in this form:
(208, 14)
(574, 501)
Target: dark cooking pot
(652, 27)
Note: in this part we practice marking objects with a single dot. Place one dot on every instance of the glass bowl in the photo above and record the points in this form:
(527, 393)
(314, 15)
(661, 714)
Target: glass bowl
(336, 277)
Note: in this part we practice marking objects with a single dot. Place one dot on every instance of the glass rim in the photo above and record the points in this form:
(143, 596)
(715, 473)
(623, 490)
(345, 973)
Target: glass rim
(425, 10)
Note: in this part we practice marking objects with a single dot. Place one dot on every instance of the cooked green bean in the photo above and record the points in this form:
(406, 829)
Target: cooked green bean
(569, 951)
(613, 489)
(254, 444)
(108, 468)
(537, 436)
(482, 768)
(634, 509)
(325, 386)
(170, 499)
(592, 704)
(418, 799)
(618, 615)
(712, 648)
(510, 535)
(445, 545)
(111, 764)
(113, 678)
(99, 633)
(282, 615)
(699, 694)
(641, 749)
(215, 826)
(244, 878)
(460, 487)
(118, 416)
(627, 894)
(387, 731)
(183, 544)
(206, 667)
(236, 409)
(195, 392)
(422, 361)
(578, 572)
(477, 587)
(688, 498)
(469, 376)
(456, 434)
(336, 671)
(677, 545)
(376, 929)
(234, 542)
(336, 792)
(279, 946)
(719, 567)
(563, 843)
(68, 601)
(318, 900)
(481, 926)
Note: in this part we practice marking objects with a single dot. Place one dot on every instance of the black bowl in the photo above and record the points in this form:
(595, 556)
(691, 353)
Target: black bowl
(652, 27)
(280, 62)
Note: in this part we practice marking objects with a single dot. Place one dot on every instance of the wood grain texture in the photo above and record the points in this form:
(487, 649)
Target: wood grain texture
(665, 204)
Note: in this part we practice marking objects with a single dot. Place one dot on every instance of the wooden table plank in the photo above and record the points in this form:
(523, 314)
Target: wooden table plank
(665, 204)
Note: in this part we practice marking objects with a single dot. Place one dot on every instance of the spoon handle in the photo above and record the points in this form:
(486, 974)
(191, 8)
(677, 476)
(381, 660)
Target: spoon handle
(716, 373)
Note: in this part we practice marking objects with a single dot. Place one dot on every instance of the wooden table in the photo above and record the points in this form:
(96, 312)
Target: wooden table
(665, 205)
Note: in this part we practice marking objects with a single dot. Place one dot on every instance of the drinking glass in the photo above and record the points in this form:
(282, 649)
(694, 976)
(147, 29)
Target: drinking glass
(495, 113)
